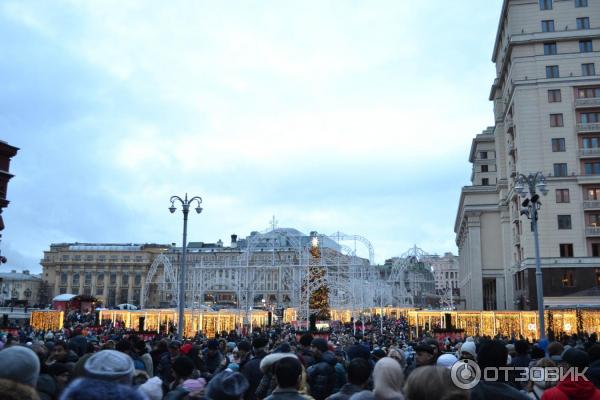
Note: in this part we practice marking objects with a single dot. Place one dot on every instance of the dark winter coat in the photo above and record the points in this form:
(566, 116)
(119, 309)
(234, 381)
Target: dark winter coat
(321, 376)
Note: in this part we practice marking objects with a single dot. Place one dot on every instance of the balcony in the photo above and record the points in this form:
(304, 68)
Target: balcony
(516, 239)
(589, 152)
(591, 204)
(588, 127)
(585, 103)
(592, 231)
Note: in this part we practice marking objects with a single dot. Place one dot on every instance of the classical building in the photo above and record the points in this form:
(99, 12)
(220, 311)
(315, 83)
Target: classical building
(113, 273)
(546, 99)
(445, 271)
(19, 288)
(263, 266)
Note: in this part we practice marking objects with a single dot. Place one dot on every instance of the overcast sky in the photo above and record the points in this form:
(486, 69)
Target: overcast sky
(352, 116)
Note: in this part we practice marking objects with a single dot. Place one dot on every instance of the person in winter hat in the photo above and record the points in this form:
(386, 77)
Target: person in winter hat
(20, 364)
(110, 365)
(227, 386)
(152, 388)
(96, 389)
(468, 351)
(574, 387)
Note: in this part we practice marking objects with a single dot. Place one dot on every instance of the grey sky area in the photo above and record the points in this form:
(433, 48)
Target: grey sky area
(332, 116)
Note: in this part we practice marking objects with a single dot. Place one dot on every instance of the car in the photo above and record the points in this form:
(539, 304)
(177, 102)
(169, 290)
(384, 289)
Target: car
(126, 306)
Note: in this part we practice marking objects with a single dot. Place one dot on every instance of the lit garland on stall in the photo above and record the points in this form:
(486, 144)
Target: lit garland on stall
(47, 320)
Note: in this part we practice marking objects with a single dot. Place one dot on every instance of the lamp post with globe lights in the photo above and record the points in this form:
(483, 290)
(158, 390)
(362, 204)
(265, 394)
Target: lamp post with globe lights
(185, 204)
(528, 186)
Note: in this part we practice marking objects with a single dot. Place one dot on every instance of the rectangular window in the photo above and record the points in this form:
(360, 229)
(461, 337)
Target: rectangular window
(484, 168)
(138, 279)
(100, 279)
(560, 169)
(567, 279)
(554, 96)
(562, 196)
(595, 249)
(593, 194)
(63, 278)
(125, 279)
(583, 23)
(564, 222)
(585, 46)
(556, 120)
(591, 168)
(113, 278)
(545, 4)
(589, 117)
(485, 181)
(76, 279)
(588, 69)
(552, 71)
(566, 249)
(558, 145)
(588, 93)
(594, 220)
(548, 25)
(550, 48)
(581, 3)
(483, 155)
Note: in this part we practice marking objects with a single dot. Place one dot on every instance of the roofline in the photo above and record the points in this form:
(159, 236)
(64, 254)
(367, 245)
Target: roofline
(497, 41)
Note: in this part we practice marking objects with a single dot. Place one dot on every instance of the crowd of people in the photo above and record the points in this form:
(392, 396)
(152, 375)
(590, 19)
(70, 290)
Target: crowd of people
(377, 361)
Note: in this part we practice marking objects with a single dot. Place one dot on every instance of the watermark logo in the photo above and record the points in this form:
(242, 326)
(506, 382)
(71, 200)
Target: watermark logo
(465, 374)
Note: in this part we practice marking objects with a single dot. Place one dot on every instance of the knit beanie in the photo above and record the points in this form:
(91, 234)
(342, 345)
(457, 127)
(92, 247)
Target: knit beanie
(94, 389)
(469, 347)
(152, 388)
(110, 365)
(20, 364)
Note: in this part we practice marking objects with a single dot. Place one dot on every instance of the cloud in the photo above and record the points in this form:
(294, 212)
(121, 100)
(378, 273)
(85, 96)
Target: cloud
(330, 115)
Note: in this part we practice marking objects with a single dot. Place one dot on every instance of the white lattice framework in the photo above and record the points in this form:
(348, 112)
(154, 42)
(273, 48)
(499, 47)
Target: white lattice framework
(404, 285)
(352, 281)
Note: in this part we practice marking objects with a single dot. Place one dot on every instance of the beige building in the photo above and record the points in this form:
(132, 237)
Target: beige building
(445, 272)
(113, 273)
(546, 99)
(19, 287)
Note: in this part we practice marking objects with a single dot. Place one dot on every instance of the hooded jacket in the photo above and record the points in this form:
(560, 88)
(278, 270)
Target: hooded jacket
(572, 390)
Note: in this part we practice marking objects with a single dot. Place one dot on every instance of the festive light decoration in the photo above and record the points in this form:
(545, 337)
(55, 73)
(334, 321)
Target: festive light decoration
(507, 323)
(47, 320)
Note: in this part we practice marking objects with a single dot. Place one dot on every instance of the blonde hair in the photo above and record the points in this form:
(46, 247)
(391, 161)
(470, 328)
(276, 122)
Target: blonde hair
(388, 378)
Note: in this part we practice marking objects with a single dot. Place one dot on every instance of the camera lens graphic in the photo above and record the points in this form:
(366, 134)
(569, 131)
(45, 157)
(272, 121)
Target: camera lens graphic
(465, 374)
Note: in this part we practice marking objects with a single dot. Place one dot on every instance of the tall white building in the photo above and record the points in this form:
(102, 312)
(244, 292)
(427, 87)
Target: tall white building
(547, 118)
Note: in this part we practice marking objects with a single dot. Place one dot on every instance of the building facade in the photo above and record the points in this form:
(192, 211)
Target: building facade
(262, 266)
(546, 98)
(113, 273)
(19, 288)
(445, 272)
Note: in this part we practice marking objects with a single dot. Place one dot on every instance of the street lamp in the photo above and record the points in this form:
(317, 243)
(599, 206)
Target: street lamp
(185, 203)
(532, 184)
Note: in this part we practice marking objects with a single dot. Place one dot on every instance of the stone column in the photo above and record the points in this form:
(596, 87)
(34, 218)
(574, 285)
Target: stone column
(474, 233)
(118, 288)
(69, 281)
(130, 289)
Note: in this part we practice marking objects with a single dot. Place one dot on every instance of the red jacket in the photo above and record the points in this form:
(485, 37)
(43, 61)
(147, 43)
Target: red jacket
(572, 390)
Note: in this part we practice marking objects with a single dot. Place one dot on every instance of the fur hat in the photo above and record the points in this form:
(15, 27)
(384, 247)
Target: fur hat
(227, 386)
(270, 360)
(110, 365)
(446, 360)
(20, 364)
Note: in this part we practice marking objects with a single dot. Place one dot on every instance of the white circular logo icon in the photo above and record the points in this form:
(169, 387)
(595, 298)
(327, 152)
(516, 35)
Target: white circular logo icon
(465, 374)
